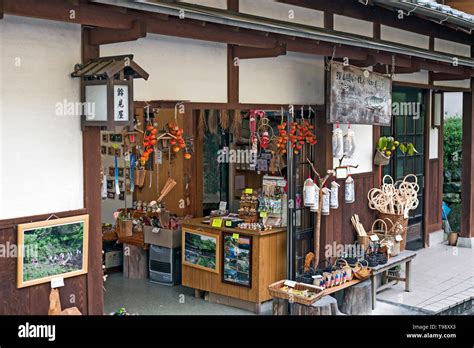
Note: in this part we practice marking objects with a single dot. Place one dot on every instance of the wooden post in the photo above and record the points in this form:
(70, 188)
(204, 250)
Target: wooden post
(92, 199)
(467, 213)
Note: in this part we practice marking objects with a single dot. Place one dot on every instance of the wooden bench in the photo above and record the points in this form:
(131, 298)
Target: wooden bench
(405, 257)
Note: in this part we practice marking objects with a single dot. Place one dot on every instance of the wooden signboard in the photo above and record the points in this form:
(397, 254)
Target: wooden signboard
(359, 96)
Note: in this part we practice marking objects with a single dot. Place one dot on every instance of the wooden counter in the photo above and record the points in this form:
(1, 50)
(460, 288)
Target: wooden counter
(268, 265)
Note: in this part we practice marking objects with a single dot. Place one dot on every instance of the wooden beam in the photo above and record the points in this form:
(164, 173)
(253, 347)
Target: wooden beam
(449, 77)
(354, 9)
(232, 76)
(233, 5)
(102, 36)
(243, 52)
(467, 209)
(2, 8)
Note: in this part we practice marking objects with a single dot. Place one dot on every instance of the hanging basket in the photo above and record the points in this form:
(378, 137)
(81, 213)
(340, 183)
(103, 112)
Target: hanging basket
(140, 175)
(380, 159)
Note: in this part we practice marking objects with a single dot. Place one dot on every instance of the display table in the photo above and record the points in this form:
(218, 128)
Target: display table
(405, 257)
(233, 265)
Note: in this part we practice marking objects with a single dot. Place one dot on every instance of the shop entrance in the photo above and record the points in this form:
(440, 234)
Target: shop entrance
(408, 124)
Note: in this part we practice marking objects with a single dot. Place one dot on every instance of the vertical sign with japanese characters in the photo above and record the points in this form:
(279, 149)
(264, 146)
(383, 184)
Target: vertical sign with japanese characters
(121, 108)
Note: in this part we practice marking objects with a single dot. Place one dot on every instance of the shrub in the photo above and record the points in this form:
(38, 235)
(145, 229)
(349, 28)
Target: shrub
(452, 144)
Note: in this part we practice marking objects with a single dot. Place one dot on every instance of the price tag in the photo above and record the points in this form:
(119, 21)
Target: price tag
(217, 223)
(57, 282)
(374, 237)
(263, 214)
(290, 283)
(249, 191)
(398, 238)
(228, 223)
(222, 206)
(235, 236)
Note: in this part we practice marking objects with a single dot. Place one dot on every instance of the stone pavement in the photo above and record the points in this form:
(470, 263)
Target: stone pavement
(442, 282)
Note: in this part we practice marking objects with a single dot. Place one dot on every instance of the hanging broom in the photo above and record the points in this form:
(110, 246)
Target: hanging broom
(224, 119)
(201, 124)
(236, 127)
(212, 121)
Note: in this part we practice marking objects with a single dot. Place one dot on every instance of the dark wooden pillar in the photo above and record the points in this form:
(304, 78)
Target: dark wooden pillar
(92, 198)
(232, 66)
(467, 217)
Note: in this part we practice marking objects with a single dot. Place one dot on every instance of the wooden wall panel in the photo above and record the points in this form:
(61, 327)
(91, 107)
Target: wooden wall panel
(34, 300)
(434, 196)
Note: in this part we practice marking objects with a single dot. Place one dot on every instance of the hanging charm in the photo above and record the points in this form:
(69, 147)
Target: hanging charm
(349, 196)
(337, 143)
(326, 201)
(309, 191)
(349, 143)
(334, 195)
(315, 207)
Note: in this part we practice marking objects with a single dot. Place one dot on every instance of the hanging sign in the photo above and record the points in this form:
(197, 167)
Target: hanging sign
(121, 108)
(359, 98)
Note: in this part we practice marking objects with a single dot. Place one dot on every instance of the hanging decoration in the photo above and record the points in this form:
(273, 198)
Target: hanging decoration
(236, 127)
(349, 143)
(224, 119)
(334, 195)
(201, 124)
(337, 142)
(349, 196)
(212, 121)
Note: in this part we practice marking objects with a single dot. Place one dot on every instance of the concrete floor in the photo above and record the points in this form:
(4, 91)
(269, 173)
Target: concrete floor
(442, 281)
(141, 297)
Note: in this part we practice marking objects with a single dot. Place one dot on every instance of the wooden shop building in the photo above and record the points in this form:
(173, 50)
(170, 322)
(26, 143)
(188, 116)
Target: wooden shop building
(190, 63)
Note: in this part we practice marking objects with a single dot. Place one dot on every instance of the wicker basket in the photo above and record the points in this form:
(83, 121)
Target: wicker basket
(361, 272)
(276, 291)
(384, 235)
(380, 159)
(397, 224)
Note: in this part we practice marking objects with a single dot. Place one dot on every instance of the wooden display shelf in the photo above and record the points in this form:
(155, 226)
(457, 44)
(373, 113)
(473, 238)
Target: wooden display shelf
(268, 256)
(340, 287)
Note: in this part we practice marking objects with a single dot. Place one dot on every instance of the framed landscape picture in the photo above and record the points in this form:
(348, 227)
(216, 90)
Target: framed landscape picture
(51, 249)
(237, 259)
(201, 250)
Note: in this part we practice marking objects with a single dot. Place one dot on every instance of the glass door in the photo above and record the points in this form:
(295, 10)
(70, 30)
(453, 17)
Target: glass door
(409, 109)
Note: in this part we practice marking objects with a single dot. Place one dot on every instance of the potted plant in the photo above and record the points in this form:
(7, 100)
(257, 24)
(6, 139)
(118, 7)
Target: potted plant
(386, 147)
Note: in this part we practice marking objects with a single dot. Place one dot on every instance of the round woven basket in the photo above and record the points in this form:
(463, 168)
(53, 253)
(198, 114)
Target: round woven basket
(397, 224)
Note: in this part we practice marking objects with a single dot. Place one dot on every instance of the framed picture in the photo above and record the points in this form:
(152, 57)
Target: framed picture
(103, 150)
(110, 151)
(127, 173)
(111, 171)
(105, 138)
(118, 152)
(237, 259)
(110, 195)
(110, 184)
(51, 249)
(201, 250)
(120, 172)
(122, 196)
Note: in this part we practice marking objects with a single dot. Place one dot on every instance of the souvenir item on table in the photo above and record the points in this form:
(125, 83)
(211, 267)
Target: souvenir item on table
(334, 203)
(326, 201)
(337, 143)
(349, 196)
(349, 143)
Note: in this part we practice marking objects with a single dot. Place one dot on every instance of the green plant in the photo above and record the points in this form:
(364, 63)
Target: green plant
(388, 145)
(452, 144)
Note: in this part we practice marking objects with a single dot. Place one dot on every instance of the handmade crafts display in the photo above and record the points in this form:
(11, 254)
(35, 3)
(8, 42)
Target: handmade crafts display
(309, 193)
(249, 206)
(325, 209)
(334, 202)
(301, 134)
(254, 226)
(395, 197)
(149, 142)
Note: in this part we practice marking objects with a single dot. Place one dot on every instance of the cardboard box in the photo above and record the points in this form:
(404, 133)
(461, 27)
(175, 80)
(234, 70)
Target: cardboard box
(162, 237)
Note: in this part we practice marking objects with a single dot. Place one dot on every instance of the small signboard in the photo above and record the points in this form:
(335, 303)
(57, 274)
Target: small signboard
(359, 96)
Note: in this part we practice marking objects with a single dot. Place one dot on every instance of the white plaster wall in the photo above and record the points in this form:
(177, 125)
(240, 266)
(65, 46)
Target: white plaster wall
(453, 103)
(455, 84)
(282, 12)
(353, 25)
(180, 69)
(452, 47)
(41, 168)
(221, 4)
(294, 78)
(404, 37)
(421, 77)
(364, 153)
